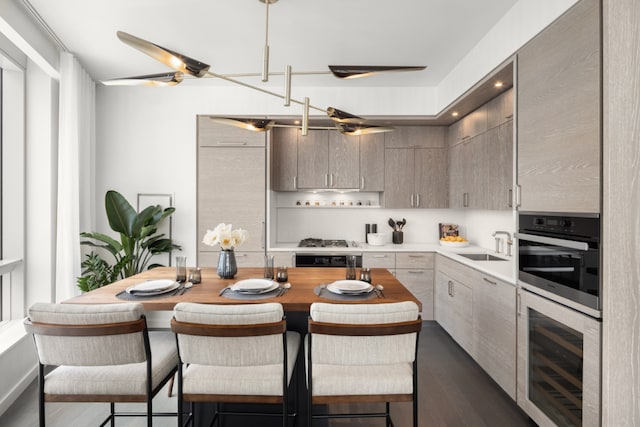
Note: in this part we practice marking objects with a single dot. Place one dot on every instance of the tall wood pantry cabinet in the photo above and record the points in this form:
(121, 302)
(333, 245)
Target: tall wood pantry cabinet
(559, 124)
(231, 188)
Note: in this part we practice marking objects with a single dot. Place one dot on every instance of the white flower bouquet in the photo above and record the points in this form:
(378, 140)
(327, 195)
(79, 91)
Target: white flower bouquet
(225, 236)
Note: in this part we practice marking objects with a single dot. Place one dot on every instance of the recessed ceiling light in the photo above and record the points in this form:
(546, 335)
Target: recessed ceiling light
(454, 114)
(498, 84)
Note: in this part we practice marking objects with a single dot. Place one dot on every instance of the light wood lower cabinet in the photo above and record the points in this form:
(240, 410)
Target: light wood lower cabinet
(379, 260)
(415, 271)
(479, 312)
(453, 309)
(494, 330)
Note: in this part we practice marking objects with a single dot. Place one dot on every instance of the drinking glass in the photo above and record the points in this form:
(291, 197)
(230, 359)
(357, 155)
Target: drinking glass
(195, 276)
(268, 266)
(351, 267)
(282, 274)
(181, 269)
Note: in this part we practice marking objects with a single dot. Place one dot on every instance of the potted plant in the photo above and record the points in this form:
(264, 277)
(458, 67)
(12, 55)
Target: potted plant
(139, 241)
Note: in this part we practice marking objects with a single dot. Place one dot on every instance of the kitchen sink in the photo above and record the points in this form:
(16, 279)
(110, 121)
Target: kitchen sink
(482, 257)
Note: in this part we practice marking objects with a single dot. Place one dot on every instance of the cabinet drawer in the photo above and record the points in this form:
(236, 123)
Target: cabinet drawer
(415, 259)
(455, 270)
(379, 259)
(211, 134)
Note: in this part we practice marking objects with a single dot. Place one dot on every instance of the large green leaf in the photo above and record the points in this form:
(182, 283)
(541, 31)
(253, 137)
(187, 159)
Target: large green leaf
(142, 219)
(112, 244)
(120, 213)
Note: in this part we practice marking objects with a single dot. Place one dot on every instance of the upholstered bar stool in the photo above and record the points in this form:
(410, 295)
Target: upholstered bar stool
(234, 354)
(102, 353)
(362, 353)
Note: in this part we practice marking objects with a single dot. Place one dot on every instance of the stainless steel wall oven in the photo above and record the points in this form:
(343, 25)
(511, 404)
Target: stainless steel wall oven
(560, 253)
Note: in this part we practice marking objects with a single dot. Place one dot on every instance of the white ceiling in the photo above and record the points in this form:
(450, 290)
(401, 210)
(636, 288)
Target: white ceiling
(306, 34)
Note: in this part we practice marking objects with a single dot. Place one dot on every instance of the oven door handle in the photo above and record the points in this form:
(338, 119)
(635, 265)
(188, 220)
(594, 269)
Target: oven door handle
(550, 269)
(581, 246)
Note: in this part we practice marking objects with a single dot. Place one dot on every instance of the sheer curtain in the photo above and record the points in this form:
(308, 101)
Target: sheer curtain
(75, 171)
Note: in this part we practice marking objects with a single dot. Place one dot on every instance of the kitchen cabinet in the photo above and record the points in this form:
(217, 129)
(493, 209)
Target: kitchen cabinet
(230, 189)
(415, 137)
(481, 170)
(379, 260)
(494, 329)
(499, 166)
(415, 271)
(328, 160)
(453, 309)
(559, 114)
(468, 180)
(371, 162)
(469, 126)
(284, 159)
(415, 178)
(479, 312)
(500, 109)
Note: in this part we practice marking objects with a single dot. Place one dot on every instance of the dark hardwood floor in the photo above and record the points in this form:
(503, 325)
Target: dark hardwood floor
(453, 392)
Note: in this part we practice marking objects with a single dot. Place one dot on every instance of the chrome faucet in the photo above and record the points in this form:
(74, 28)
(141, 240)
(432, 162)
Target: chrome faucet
(499, 241)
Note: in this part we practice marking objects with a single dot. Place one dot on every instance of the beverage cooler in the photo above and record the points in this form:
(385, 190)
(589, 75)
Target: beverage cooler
(558, 363)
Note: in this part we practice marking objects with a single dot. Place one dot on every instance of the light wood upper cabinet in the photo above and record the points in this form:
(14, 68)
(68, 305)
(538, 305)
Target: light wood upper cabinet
(431, 179)
(344, 158)
(500, 109)
(399, 178)
(313, 160)
(372, 162)
(559, 125)
(481, 166)
(415, 169)
(284, 159)
(415, 136)
(499, 150)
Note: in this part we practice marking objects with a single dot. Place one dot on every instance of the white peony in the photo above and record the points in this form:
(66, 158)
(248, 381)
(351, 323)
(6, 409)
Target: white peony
(225, 236)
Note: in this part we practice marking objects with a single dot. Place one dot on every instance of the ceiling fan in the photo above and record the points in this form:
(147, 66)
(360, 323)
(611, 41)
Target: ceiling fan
(185, 66)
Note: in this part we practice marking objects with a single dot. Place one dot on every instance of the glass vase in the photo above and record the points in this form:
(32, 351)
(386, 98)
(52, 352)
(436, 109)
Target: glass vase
(227, 267)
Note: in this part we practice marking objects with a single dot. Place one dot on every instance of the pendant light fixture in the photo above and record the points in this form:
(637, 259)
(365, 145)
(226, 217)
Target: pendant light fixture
(186, 66)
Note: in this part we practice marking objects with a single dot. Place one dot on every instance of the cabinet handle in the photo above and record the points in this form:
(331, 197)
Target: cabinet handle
(295, 182)
(508, 116)
(465, 137)
(489, 281)
(330, 180)
(415, 272)
(450, 283)
(241, 255)
(518, 195)
(412, 200)
(379, 256)
(417, 200)
(416, 256)
(362, 182)
(519, 304)
(510, 198)
(465, 200)
(326, 180)
(232, 143)
(263, 234)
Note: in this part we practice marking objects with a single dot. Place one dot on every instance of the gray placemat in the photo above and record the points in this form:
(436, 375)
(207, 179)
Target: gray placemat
(124, 295)
(239, 295)
(323, 292)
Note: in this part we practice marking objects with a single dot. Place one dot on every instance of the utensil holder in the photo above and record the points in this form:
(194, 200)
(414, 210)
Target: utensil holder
(398, 237)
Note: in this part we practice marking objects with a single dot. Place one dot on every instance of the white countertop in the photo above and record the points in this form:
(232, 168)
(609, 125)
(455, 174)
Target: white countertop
(503, 270)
